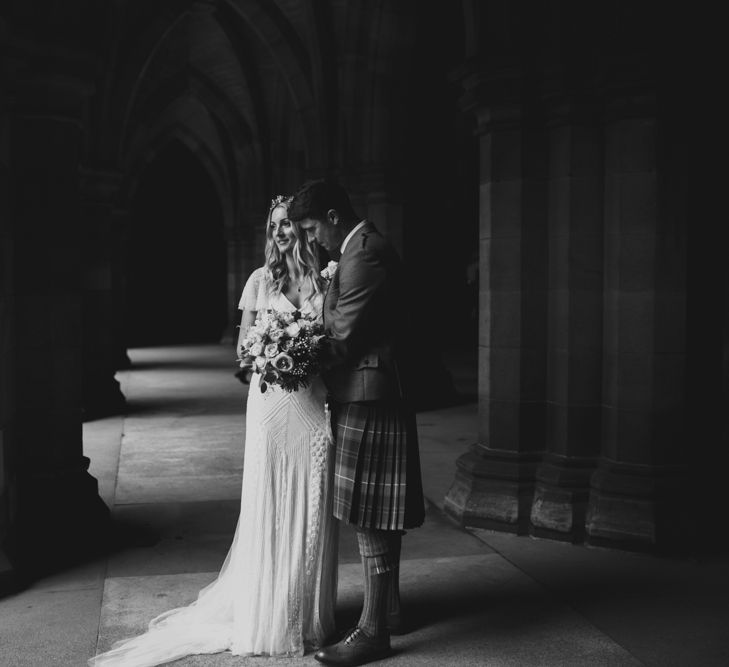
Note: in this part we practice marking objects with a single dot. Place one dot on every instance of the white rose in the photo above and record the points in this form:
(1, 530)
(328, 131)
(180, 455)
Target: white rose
(256, 349)
(272, 350)
(276, 334)
(261, 362)
(283, 362)
(331, 269)
(293, 329)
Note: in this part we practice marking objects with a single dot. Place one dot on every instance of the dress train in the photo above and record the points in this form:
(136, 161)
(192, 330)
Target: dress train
(276, 590)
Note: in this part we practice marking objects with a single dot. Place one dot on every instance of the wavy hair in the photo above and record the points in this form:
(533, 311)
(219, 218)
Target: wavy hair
(305, 254)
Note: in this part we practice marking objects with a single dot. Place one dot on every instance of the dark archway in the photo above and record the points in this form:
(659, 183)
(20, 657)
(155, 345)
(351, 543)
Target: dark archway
(176, 254)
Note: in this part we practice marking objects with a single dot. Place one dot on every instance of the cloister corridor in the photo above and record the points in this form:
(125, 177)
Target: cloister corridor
(170, 470)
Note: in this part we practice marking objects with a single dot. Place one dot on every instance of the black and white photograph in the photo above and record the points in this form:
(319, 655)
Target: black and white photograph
(350, 332)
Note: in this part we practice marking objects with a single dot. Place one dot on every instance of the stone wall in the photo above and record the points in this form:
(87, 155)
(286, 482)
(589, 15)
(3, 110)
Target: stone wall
(585, 211)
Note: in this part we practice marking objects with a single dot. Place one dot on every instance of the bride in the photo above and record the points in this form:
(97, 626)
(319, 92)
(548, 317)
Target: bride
(276, 591)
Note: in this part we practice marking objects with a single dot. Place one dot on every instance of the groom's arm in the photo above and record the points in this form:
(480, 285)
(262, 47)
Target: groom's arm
(360, 281)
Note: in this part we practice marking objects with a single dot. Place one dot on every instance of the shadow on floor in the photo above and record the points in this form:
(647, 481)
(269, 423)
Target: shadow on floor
(181, 405)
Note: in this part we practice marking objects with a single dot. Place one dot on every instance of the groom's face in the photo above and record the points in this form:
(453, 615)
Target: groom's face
(324, 231)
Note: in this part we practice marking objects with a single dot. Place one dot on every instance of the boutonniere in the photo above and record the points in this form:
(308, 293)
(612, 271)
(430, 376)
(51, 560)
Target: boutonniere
(329, 272)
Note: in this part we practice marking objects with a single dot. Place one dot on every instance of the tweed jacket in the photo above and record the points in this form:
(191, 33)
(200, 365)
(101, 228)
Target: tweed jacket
(363, 319)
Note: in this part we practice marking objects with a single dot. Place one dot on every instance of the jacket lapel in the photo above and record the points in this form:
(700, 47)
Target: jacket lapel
(332, 292)
(365, 230)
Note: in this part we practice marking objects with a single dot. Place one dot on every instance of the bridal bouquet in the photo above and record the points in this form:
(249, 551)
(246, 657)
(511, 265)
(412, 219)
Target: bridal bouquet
(284, 348)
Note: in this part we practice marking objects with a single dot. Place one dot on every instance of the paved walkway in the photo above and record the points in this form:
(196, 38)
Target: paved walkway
(171, 469)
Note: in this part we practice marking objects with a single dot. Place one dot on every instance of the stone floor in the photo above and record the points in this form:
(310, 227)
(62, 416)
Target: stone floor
(171, 471)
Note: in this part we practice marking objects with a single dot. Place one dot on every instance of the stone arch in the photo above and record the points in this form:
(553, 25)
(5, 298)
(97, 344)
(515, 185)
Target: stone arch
(236, 150)
(291, 57)
(279, 41)
(130, 58)
(198, 147)
(176, 222)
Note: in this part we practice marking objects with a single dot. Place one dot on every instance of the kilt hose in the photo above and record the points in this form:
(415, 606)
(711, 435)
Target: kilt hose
(377, 482)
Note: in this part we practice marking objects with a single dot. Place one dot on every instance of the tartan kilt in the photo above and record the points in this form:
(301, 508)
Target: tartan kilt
(377, 482)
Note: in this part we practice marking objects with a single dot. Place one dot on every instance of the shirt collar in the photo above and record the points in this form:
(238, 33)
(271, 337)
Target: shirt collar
(350, 235)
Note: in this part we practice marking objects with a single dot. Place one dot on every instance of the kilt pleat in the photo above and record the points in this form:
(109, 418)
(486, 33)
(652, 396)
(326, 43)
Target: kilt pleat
(377, 481)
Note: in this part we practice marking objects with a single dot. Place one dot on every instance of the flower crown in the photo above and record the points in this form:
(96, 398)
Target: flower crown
(278, 200)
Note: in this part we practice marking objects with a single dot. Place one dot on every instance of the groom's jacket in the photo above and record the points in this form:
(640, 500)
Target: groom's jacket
(364, 319)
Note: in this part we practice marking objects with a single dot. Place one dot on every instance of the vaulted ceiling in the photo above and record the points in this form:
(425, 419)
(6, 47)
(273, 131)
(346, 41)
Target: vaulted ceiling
(260, 92)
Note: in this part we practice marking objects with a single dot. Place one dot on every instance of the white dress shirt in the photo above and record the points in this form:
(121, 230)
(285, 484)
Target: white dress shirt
(349, 236)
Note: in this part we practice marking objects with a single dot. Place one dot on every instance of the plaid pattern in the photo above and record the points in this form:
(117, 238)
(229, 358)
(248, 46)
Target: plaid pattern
(377, 481)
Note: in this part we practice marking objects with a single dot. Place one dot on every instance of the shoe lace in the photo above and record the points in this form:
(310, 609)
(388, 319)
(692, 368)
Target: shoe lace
(353, 634)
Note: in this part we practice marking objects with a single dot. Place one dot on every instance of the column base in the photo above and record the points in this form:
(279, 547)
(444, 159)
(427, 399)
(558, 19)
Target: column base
(61, 519)
(560, 497)
(493, 490)
(229, 338)
(103, 398)
(10, 581)
(122, 362)
(639, 508)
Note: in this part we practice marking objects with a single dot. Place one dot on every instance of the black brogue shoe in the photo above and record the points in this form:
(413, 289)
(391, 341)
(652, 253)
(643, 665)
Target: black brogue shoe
(357, 648)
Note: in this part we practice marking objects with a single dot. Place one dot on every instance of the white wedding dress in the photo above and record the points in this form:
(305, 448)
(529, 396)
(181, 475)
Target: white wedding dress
(276, 591)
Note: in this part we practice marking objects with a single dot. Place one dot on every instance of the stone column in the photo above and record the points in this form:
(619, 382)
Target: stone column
(8, 444)
(574, 352)
(101, 393)
(235, 250)
(118, 244)
(241, 263)
(494, 482)
(245, 245)
(55, 511)
(636, 495)
(375, 198)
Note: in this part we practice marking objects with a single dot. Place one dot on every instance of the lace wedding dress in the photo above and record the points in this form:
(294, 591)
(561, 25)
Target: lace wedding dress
(276, 591)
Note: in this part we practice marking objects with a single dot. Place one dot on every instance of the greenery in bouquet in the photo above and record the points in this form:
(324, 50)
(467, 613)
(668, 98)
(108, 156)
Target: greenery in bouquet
(284, 347)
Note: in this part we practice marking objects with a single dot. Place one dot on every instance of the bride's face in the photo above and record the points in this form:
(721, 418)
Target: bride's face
(281, 230)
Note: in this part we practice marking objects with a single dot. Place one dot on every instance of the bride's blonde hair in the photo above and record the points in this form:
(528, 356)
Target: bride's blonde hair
(305, 253)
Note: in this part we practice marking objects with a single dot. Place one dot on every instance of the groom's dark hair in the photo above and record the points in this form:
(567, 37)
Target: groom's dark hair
(315, 198)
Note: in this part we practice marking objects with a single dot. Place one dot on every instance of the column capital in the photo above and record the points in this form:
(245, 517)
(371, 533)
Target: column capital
(627, 84)
(563, 106)
(493, 92)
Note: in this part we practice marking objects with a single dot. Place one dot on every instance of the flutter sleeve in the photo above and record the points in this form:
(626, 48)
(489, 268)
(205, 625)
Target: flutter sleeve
(255, 293)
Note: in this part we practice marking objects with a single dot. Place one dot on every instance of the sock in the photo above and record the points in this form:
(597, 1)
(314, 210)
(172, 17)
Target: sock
(373, 548)
(372, 619)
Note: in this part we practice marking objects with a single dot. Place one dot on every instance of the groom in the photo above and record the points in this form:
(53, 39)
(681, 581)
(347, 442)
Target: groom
(377, 483)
